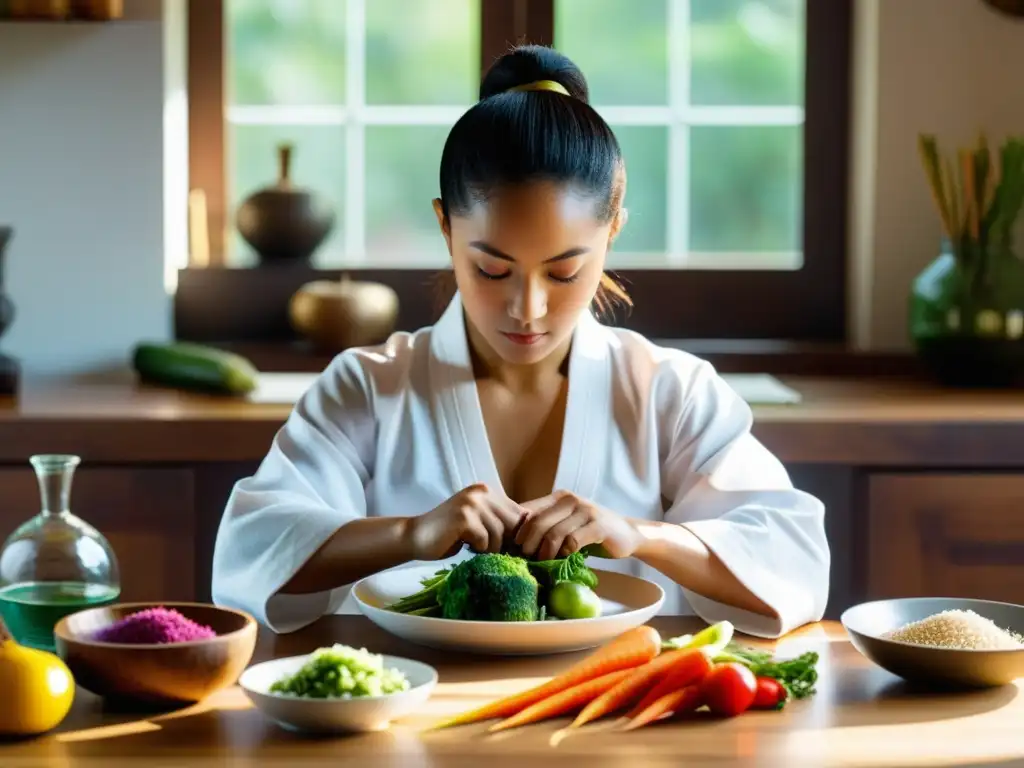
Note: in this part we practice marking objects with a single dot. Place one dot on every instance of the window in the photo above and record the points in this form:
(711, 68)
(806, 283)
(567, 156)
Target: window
(366, 91)
(707, 99)
(731, 114)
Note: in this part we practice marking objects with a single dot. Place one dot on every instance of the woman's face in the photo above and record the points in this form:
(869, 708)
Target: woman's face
(527, 263)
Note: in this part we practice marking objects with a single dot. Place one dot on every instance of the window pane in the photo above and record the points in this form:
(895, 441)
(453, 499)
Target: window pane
(746, 188)
(622, 48)
(645, 150)
(286, 52)
(422, 51)
(747, 52)
(318, 163)
(402, 164)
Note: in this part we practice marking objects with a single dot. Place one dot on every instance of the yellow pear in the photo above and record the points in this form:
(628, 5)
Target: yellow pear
(36, 688)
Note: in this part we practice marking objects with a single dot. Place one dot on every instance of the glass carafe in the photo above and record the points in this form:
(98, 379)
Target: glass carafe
(55, 563)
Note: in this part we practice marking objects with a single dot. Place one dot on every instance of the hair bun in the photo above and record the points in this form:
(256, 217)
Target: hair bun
(527, 64)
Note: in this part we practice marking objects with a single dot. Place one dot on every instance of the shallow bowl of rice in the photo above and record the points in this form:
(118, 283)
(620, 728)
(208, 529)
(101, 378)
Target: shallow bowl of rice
(941, 641)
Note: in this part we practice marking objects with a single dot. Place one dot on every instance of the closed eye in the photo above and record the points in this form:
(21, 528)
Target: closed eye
(491, 275)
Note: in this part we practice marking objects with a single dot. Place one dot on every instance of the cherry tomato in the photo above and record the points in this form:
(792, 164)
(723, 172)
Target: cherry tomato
(769, 695)
(729, 689)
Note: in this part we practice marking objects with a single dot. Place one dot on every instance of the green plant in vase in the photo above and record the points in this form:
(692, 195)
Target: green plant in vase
(967, 306)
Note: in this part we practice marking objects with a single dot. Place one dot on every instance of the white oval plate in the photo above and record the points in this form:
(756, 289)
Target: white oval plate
(367, 713)
(626, 601)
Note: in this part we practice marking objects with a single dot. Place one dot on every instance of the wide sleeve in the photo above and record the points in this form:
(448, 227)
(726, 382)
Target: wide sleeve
(727, 488)
(310, 483)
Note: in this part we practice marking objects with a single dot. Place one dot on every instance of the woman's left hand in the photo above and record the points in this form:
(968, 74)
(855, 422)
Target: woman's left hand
(562, 523)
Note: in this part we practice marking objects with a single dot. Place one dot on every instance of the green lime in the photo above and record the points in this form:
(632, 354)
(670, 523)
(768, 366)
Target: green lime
(570, 600)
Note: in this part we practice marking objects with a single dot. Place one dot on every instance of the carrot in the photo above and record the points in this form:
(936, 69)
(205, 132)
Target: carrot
(564, 701)
(632, 648)
(689, 668)
(674, 702)
(633, 687)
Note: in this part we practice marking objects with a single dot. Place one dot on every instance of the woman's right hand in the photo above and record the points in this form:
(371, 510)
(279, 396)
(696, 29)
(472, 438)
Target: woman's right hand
(475, 516)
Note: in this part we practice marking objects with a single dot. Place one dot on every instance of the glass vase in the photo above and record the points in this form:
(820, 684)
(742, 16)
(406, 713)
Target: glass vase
(54, 563)
(967, 318)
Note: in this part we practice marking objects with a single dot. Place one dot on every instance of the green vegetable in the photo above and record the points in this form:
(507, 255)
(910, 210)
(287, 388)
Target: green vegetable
(596, 550)
(195, 367)
(572, 600)
(490, 587)
(340, 671)
(798, 675)
(572, 568)
(424, 602)
(498, 587)
(487, 587)
(713, 639)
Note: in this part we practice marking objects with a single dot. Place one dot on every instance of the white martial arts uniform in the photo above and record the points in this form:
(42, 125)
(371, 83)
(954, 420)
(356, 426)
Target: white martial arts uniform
(649, 433)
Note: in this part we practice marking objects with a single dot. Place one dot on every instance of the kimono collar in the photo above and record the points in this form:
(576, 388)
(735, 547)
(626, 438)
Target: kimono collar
(459, 419)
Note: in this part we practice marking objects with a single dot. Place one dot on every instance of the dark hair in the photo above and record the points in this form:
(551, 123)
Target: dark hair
(513, 137)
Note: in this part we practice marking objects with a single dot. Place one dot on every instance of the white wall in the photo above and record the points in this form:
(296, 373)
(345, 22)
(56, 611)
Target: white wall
(949, 67)
(82, 183)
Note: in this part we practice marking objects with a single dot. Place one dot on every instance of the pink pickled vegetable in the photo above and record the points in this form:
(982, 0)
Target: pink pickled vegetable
(154, 625)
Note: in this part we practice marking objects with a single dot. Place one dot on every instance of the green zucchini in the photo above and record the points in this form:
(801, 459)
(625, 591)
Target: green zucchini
(187, 365)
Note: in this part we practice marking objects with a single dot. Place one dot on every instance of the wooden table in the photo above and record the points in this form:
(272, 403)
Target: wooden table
(861, 716)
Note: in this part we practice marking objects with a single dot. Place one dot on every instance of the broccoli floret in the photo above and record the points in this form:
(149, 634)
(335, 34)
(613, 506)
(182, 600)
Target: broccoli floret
(490, 587)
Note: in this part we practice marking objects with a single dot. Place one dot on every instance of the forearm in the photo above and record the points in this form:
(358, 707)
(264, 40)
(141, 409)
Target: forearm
(358, 549)
(679, 554)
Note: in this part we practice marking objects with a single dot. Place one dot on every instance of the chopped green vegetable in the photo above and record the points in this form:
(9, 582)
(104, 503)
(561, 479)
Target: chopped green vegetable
(341, 671)
(798, 675)
(713, 639)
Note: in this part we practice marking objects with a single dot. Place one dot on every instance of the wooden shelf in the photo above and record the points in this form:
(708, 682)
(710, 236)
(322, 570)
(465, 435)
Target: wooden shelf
(76, 12)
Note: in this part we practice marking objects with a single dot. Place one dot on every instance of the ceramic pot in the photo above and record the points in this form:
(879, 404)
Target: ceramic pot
(337, 315)
(284, 222)
(967, 324)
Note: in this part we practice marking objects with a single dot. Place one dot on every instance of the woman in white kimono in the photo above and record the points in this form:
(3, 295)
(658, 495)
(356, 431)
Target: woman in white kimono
(518, 416)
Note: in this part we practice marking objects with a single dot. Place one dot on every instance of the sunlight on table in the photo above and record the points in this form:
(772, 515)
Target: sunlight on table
(992, 736)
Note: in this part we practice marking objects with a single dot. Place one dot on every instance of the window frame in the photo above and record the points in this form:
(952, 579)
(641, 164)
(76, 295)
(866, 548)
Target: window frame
(217, 303)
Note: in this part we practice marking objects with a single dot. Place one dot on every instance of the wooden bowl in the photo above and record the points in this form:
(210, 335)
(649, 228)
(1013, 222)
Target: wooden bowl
(158, 674)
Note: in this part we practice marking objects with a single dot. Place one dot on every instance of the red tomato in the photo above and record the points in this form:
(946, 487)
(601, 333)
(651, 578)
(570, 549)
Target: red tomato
(769, 695)
(729, 689)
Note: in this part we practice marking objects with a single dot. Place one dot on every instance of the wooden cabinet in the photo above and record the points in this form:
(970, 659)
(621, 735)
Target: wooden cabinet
(147, 514)
(951, 535)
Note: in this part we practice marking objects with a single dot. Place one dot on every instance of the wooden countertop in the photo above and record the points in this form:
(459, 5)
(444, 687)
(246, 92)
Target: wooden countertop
(861, 716)
(875, 421)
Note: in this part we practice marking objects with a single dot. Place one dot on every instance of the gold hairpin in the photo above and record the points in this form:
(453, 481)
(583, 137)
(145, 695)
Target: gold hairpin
(543, 85)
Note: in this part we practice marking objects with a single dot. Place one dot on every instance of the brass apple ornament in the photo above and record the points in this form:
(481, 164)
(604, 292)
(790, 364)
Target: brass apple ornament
(335, 315)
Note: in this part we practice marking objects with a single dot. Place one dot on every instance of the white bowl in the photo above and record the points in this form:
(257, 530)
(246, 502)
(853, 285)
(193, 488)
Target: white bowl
(626, 602)
(322, 716)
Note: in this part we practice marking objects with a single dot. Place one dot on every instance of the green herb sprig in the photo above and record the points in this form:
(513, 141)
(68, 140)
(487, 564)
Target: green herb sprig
(978, 194)
(798, 675)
